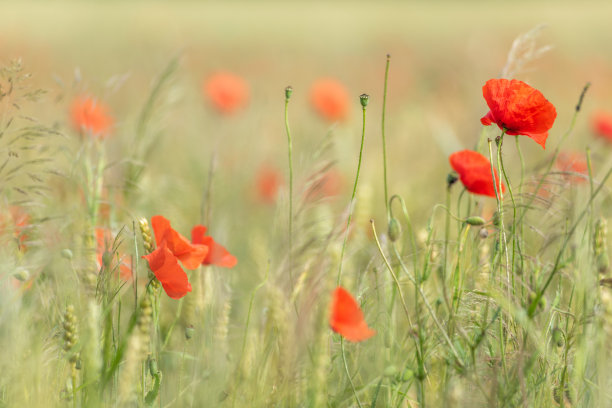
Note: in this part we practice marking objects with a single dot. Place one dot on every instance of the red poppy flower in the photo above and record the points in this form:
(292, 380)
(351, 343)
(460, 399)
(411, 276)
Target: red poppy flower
(217, 254)
(347, 318)
(572, 162)
(269, 181)
(475, 172)
(91, 116)
(330, 99)
(189, 254)
(227, 92)
(167, 270)
(519, 109)
(602, 125)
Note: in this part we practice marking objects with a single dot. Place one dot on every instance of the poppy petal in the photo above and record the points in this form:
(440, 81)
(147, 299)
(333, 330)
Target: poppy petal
(217, 254)
(347, 318)
(474, 171)
(190, 255)
(518, 109)
(167, 270)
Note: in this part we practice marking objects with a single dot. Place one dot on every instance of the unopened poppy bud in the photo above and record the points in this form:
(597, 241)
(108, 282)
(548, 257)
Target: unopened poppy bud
(557, 336)
(288, 92)
(451, 179)
(107, 257)
(475, 221)
(189, 331)
(603, 262)
(66, 253)
(395, 230)
(484, 233)
(364, 99)
(152, 366)
(390, 371)
(408, 375)
(21, 274)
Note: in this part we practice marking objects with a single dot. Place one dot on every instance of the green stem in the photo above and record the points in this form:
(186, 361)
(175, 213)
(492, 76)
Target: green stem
(351, 205)
(288, 91)
(384, 143)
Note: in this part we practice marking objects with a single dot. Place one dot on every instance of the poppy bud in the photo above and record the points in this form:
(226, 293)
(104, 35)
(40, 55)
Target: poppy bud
(107, 257)
(288, 92)
(395, 230)
(484, 233)
(451, 179)
(407, 375)
(603, 262)
(189, 331)
(152, 366)
(390, 371)
(66, 253)
(475, 221)
(557, 336)
(21, 274)
(364, 98)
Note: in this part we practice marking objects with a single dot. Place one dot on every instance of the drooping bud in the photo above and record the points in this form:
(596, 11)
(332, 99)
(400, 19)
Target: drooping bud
(475, 221)
(395, 230)
(288, 92)
(189, 331)
(557, 337)
(451, 179)
(21, 274)
(67, 254)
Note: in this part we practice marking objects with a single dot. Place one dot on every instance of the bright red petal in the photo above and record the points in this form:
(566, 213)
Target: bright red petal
(217, 254)
(160, 226)
(347, 318)
(518, 108)
(190, 255)
(474, 171)
(167, 270)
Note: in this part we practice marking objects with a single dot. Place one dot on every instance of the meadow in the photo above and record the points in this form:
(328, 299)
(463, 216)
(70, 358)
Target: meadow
(291, 204)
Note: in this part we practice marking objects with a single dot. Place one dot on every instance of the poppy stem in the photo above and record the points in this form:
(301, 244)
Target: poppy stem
(364, 104)
(288, 92)
(384, 143)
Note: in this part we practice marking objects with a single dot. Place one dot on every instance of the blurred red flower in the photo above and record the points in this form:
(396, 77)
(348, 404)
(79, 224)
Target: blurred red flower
(475, 172)
(269, 180)
(227, 92)
(601, 123)
(572, 162)
(18, 221)
(330, 99)
(104, 239)
(519, 109)
(347, 318)
(217, 254)
(91, 116)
